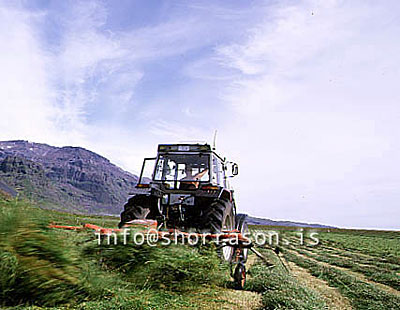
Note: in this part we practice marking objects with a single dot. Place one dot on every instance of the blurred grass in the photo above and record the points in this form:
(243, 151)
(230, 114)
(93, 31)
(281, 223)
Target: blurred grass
(280, 289)
(42, 267)
(34, 264)
(175, 267)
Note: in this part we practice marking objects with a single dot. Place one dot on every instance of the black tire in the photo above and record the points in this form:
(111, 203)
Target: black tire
(218, 217)
(241, 225)
(240, 276)
(134, 209)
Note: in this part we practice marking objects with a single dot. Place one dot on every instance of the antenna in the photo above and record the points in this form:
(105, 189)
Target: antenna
(215, 139)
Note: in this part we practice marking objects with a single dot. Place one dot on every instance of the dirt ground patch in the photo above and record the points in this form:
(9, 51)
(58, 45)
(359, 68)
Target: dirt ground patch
(226, 299)
(236, 300)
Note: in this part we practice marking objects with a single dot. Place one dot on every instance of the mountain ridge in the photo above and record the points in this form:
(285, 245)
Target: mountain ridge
(65, 178)
(252, 220)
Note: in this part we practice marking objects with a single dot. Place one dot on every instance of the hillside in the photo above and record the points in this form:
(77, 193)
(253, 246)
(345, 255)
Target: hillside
(64, 178)
(267, 222)
(5, 190)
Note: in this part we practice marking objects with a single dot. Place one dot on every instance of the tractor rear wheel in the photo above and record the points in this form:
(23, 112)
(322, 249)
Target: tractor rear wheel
(219, 217)
(134, 209)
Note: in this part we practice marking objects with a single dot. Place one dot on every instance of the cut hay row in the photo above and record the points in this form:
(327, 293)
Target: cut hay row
(359, 258)
(333, 298)
(362, 294)
(280, 289)
(386, 246)
(373, 273)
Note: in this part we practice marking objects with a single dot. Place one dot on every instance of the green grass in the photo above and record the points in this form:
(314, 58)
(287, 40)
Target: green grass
(383, 244)
(361, 295)
(175, 267)
(358, 251)
(280, 290)
(359, 258)
(380, 275)
(371, 254)
(45, 267)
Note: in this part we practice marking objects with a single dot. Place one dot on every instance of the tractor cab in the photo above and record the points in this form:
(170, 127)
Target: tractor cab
(186, 167)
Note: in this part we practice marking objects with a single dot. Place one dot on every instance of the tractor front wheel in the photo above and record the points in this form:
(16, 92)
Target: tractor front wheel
(241, 226)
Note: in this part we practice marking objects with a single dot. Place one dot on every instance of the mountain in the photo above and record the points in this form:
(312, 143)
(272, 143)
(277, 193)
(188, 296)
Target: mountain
(64, 178)
(267, 222)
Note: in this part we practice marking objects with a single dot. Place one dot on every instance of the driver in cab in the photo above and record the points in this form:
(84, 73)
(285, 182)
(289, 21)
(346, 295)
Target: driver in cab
(191, 181)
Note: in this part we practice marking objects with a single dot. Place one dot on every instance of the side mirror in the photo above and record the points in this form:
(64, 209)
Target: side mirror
(235, 169)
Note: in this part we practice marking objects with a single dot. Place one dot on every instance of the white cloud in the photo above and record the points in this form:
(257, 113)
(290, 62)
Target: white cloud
(42, 90)
(315, 110)
(175, 132)
(25, 95)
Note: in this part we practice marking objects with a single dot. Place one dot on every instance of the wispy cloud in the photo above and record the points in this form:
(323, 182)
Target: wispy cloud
(313, 100)
(27, 99)
(178, 132)
(89, 70)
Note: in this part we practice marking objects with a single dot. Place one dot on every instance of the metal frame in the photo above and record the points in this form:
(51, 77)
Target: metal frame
(141, 171)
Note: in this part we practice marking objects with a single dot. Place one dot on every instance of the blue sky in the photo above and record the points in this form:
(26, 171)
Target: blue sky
(304, 94)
